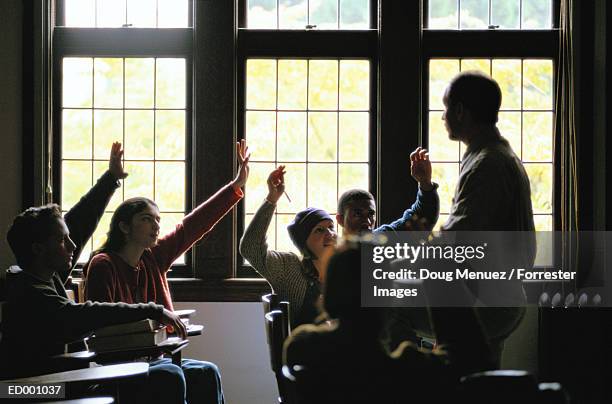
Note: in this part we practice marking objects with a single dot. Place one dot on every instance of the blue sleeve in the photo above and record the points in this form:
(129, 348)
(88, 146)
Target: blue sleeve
(427, 206)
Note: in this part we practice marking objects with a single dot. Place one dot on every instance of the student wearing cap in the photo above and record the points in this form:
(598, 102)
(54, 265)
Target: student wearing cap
(295, 279)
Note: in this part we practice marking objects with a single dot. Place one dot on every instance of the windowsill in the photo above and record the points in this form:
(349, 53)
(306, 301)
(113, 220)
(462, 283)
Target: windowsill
(221, 290)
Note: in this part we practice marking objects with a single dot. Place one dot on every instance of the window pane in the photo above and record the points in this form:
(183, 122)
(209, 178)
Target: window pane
(76, 134)
(292, 84)
(293, 14)
(77, 91)
(505, 13)
(147, 133)
(354, 134)
(170, 186)
(170, 83)
(173, 13)
(351, 176)
(322, 193)
(537, 84)
(139, 135)
(443, 14)
(481, 65)
(354, 14)
(99, 168)
(141, 13)
(538, 129)
(110, 13)
(257, 188)
(167, 223)
(441, 71)
(140, 180)
(322, 136)
(108, 128)
(323, 84)
(283, 241)
(99, 236)
(354, 85)
(170, 135)
(324, 14)
(295, 179)
(446, 175)
(543, 222)
(441, 148)
(291, 136)
(261, 84)
(540, 178)
(260, 128)
(262, 14)
(311, 132)
(509, 125)
(507, 73)
(139, 82)
(528, 127)
(80, 13)
(474, 14)
(79, 174)
(108, 83)
(537, 14)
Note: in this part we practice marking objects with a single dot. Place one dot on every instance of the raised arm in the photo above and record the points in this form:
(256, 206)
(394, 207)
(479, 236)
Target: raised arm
(272, 265)
(426, 208)
(83, 218)
(204, 217)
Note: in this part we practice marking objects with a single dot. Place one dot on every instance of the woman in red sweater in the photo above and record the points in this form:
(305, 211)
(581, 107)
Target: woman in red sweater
(133, 263)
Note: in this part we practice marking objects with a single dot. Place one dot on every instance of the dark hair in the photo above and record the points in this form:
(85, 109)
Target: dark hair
(33, 225)
(342, 295)
(351, 196)
(115, 239)
(478, 93)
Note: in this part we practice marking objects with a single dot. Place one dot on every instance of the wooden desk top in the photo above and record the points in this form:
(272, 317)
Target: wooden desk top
(101, 373)
(169, 347)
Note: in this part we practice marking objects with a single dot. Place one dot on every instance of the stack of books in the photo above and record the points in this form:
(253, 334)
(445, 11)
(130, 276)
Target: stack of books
(139, 334)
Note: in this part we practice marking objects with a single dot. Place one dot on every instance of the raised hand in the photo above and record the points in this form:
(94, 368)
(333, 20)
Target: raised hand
(276, 184)
(420, 168)
(114, 162)
(242, 152)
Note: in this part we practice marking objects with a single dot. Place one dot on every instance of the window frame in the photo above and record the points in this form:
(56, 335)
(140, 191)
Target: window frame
(304, 44)
(121, 42)
(491, 44)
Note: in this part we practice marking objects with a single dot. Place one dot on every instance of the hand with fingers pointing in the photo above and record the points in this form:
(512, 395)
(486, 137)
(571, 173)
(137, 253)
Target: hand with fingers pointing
(242, 152)
(114, 162)
(276, 184)
(420, 168)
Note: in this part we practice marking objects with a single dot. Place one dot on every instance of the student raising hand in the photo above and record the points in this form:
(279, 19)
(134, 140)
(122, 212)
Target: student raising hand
(114, 162)
(242, 152)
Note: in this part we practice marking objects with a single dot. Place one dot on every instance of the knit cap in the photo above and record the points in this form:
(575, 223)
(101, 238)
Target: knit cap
(303, 223)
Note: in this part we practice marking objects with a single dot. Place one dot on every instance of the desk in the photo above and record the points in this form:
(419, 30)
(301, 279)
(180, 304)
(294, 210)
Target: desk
(96, 374)
(172, 346)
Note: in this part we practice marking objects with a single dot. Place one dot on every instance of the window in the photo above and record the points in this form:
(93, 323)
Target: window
(521, 60)
(309, 104)
(116, 85)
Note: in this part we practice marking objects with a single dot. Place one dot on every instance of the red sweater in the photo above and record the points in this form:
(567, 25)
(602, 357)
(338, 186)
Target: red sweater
(111, 279)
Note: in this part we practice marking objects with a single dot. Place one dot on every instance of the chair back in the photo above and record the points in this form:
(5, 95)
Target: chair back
(277, 331)
(270, 302)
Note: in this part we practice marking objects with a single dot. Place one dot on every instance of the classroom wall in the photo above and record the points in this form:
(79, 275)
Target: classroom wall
(10, 120)
(234, 339)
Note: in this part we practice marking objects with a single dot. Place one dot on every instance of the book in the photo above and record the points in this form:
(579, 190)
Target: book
(128, 341)
(127, 328)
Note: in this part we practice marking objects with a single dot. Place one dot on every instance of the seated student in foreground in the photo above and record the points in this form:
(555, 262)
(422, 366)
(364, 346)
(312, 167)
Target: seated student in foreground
(295, 279)
(38, 317)
(133, 263)
(343, 360)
